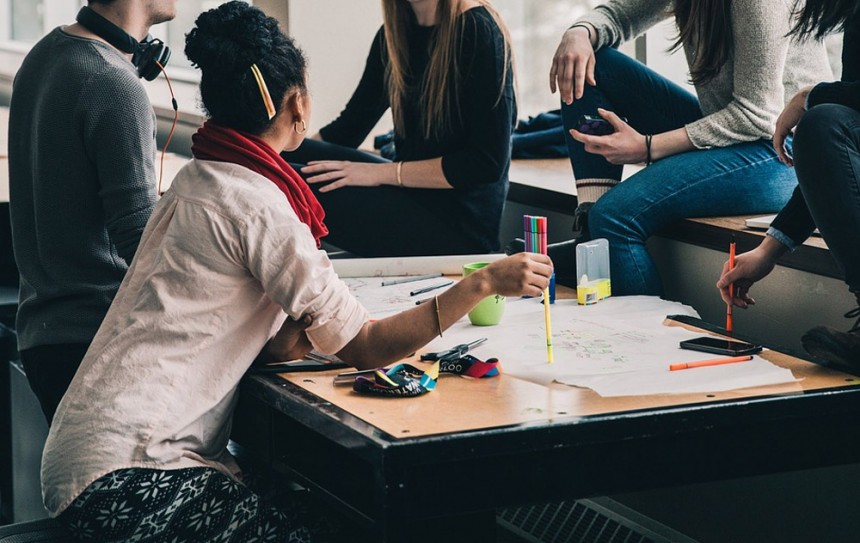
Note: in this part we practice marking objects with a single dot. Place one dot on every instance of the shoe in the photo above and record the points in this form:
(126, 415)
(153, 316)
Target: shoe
(563, 255)
(580, 220)
(516, 245)
(841, 349)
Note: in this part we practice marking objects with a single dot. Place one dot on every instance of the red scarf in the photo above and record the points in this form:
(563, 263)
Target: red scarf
(214, 142)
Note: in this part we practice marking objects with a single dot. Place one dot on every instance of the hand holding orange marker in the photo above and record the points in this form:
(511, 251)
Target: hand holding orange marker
(713, 362)
(731, 303)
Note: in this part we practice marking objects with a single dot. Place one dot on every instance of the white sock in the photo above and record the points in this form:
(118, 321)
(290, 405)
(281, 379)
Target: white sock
(590, 190)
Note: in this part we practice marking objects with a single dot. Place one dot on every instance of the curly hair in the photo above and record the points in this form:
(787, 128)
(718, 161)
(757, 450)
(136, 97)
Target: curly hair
(224, 43)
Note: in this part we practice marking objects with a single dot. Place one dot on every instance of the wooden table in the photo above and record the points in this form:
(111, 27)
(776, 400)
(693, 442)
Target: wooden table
(435, 467)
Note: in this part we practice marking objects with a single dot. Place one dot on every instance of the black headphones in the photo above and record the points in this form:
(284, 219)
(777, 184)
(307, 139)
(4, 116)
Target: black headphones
(146, 55)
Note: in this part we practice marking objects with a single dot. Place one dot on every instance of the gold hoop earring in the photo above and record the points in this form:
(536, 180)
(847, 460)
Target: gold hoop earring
(304, 127)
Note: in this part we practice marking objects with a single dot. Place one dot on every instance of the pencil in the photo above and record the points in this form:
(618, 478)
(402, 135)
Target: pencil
(729, 324)
(714, 362)
(431, 287)
(410, 279)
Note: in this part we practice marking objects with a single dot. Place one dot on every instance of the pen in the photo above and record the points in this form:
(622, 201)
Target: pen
(714, 362)
(729, 324)
(410, 279)
(431, 287)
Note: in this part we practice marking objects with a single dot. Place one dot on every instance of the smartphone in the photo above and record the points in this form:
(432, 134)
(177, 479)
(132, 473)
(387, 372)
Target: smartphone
(716, 345)
(594, 125)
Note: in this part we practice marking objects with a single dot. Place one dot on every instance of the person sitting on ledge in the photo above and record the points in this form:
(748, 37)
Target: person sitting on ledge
(825, 120)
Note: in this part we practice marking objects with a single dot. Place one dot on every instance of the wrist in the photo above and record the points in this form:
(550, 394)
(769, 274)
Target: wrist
(587, 29)
(771, 248)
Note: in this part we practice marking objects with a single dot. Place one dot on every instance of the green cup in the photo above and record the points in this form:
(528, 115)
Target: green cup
(489, 311)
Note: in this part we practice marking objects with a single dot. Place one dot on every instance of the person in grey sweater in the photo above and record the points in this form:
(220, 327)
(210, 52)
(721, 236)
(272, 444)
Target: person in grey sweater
(707, 154)
(82, 185)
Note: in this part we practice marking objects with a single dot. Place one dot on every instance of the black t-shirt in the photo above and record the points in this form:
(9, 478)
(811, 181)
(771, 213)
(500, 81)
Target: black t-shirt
(476, 151)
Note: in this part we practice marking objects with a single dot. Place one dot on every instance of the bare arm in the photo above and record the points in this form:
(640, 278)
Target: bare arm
(383, 342)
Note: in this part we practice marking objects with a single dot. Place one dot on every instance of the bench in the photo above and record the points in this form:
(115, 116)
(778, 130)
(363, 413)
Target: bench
(547, 184)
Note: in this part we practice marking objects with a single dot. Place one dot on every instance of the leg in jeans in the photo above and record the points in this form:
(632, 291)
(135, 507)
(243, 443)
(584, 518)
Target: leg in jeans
(650, 103)
(827, 159)
(746, 178)
(50, 369)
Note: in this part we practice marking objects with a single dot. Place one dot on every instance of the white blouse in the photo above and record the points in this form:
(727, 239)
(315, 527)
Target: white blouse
(222, 262)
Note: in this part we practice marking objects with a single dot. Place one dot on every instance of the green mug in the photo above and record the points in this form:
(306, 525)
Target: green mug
(489, 311)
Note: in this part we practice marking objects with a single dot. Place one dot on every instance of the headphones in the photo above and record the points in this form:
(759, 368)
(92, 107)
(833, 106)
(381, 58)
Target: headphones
(146, 55)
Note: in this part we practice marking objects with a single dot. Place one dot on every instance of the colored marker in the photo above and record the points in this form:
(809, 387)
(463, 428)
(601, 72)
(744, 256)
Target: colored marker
(714, 362)
(729, 324)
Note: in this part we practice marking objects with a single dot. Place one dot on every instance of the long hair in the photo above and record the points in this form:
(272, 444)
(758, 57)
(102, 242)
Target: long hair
(441, 84)
(705, 26)
(820, 17)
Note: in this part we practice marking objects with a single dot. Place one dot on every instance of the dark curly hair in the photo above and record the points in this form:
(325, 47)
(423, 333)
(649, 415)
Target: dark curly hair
(224, 43)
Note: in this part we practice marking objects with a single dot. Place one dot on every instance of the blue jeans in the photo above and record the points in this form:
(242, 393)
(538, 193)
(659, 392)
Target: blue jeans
(745, 178)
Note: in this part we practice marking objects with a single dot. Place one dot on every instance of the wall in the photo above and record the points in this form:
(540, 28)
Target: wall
(336, 56)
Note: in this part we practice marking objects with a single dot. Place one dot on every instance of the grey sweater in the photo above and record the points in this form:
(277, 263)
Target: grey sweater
(744, 100)
(81, 176)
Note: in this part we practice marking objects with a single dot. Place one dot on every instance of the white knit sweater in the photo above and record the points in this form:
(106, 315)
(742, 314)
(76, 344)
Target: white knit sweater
(744, 100)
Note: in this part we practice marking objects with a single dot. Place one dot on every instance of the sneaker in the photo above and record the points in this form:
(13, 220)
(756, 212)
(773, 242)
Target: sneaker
(841, 349)
(580, 220)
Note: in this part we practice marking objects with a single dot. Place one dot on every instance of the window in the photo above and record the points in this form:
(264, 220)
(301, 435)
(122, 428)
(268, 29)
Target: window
(26, 20)
(536, 27)
(173, 32)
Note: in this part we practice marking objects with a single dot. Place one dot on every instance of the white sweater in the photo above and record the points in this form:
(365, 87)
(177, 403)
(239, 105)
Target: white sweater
(744, 100)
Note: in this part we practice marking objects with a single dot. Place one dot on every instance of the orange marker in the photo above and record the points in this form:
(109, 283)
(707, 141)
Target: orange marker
(731, 289)
(714, 362)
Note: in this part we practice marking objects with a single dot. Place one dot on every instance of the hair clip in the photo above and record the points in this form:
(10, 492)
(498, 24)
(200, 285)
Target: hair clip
(264, 91)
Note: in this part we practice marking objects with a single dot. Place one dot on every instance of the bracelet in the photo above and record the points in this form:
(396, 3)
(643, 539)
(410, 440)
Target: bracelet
(648, 149)
(399, 174)
(582, 25)
(438, 318)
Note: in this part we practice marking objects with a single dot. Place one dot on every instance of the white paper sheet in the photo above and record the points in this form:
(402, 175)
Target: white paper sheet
(617, 347)
(382, 301)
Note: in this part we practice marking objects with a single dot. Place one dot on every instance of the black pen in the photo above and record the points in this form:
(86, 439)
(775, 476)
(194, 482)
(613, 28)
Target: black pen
(431, 287)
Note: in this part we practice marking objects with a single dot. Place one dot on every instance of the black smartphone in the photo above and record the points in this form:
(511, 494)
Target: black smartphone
(716, 345)
(594, 125)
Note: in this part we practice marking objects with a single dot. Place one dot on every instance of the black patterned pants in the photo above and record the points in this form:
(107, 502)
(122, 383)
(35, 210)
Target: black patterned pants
(186, 505)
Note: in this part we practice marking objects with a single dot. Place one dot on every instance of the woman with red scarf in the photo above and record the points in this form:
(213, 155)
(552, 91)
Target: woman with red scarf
(228, 267)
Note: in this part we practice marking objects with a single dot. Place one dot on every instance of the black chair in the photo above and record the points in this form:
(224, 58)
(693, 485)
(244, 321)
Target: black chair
(38, 531)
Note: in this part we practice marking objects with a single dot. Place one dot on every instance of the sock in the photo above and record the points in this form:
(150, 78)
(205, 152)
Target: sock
(590, 190)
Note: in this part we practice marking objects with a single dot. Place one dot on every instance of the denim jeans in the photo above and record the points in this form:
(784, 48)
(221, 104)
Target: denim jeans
(745, 178)
(827, 159)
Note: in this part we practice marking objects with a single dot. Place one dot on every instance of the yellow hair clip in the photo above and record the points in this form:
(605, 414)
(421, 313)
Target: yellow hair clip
(264, 91)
